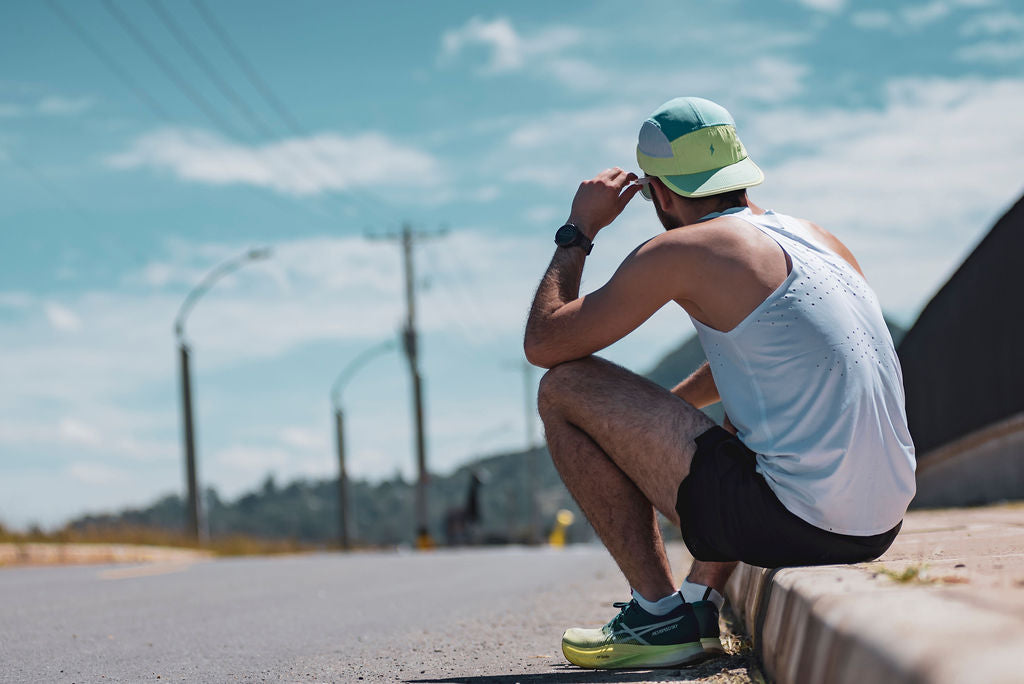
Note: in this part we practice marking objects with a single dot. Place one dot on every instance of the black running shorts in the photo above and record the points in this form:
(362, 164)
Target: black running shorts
(728, 512)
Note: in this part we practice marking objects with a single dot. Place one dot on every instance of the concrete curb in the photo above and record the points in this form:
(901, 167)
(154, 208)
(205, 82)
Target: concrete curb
(855, 624)
(76, 554)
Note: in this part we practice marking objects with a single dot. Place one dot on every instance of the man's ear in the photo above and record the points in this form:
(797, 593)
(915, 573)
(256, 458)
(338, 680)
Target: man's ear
(658, 189)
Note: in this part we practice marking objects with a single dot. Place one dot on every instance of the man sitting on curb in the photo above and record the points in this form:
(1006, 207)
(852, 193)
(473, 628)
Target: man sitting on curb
(814, 463)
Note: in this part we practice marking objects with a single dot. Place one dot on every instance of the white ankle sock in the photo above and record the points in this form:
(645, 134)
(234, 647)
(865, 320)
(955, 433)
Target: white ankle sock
(660, 607)
(700, 592)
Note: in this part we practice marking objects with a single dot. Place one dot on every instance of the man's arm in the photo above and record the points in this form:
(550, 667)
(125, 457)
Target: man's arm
(698, 390)
(563, 326)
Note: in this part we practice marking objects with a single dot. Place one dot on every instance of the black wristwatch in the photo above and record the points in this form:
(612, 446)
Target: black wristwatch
(571, 236)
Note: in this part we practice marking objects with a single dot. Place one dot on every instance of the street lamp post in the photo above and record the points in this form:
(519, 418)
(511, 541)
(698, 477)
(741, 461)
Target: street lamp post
(188, 426)
(344, 519)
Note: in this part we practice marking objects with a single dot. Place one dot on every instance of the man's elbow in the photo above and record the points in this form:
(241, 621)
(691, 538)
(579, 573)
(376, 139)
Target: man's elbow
(537, 354)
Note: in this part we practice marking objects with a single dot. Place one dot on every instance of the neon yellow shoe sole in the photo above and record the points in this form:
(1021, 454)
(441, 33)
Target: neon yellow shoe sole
(612, 656)
(712, 645)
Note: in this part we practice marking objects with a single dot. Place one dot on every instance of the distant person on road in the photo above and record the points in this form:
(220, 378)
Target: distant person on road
(813, 463)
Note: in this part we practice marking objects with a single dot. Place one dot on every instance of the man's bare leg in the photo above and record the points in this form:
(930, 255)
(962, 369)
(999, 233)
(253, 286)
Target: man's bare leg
(711, 574)
(618, 511)
(622, 446)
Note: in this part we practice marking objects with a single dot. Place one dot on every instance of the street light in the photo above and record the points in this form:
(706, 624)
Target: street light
(199, 290)
(343, 378)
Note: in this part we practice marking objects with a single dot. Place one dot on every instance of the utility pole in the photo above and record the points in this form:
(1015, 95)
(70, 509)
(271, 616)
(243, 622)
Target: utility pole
(344, 517)
(344, 514)
(191, 481)
(407, 240)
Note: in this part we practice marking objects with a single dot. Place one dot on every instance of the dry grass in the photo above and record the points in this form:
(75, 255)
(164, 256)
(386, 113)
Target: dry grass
(910, 574)
(235, 545)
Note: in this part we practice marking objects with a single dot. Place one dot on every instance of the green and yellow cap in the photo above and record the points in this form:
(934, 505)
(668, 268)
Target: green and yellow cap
(691, 144)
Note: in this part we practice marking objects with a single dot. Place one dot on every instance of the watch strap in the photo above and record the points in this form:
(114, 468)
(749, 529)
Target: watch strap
(578, 239)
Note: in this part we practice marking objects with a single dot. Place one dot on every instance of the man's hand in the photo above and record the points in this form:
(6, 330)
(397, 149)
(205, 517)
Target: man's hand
(600, 200)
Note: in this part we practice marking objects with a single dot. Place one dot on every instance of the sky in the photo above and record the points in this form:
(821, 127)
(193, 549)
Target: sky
(144, 143)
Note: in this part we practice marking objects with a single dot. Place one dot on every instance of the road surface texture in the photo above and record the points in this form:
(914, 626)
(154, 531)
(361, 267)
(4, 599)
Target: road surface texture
(485, 616)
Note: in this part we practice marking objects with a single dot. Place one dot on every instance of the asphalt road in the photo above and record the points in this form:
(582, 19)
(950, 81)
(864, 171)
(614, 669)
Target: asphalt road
(482, 616)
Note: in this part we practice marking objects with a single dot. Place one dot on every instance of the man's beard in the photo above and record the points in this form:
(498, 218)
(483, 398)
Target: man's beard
(667, 221)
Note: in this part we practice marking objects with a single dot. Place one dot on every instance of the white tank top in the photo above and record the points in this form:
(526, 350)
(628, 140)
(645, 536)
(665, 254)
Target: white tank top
(813, 385)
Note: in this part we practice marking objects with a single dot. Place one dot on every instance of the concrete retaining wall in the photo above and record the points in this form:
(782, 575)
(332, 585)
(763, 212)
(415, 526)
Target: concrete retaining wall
(986, 466)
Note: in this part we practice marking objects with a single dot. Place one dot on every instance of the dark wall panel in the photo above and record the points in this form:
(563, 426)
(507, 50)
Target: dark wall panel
(963, 360)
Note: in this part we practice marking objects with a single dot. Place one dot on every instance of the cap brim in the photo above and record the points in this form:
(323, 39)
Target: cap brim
(743, 174)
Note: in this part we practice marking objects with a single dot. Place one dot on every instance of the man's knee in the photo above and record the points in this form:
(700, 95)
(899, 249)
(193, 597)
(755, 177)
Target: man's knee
(557, 385)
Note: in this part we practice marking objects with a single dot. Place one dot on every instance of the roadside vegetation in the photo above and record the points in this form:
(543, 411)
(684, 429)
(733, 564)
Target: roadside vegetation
(231, 545)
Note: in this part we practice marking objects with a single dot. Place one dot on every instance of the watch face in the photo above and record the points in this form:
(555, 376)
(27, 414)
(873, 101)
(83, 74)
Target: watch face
(565, 235)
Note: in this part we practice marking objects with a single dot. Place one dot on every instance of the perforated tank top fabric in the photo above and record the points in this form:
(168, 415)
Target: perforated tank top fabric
(813, 385)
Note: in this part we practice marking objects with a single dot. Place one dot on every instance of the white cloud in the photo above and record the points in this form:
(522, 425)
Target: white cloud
(16, 300)
(773, 79)
(508, 50)
(52, 105)
(92, 473)
(829, 6)
(993, 24)
(578, 74)
(56, 105)
(572, 58)
(911, 185)
(561, 129)
(303, 438)
(76, 432)
(488, 193)
(253, 461)
(311, 166)
(993, 52)
(1002, 36)
(917, 16)
(545, 214)
(872, 19)
(107, 430)
(61, 318)
(241, 467)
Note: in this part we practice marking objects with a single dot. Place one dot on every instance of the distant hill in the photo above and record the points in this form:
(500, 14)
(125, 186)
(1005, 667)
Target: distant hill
(383, 513)
(307, 510)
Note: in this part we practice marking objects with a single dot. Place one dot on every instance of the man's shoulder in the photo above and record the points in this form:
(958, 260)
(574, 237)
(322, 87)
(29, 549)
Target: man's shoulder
(723, 234)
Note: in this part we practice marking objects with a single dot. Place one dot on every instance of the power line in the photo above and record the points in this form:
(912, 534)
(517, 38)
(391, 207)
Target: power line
(108, 61)
(441, 272)
(179, 81)
(365, 198)
(55, 190)
(222, 85)
(246, 66)
(207, 68)
(457, 281)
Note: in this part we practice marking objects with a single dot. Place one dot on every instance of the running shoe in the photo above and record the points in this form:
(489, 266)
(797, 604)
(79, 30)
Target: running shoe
(635, 638)
(707, 621)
